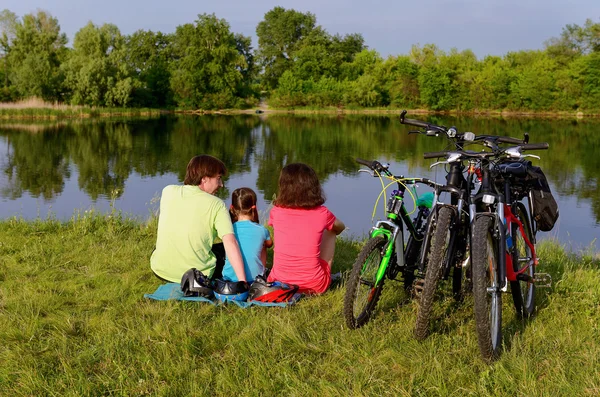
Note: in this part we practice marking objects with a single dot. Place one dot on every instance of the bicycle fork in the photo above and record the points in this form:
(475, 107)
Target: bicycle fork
(395, 242)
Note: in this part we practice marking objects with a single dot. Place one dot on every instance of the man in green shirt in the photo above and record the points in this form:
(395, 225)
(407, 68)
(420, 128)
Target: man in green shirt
(191, 219)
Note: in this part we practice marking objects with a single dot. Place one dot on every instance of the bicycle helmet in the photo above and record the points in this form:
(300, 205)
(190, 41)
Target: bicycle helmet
(195, 283)
(231, 290)
(276, 291)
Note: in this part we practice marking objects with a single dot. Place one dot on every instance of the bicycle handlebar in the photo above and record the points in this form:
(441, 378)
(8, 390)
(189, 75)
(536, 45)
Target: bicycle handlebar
(364, 162)
(507, 139)
(416, 123)
(535, 146)
(452, 133)
(434, 155)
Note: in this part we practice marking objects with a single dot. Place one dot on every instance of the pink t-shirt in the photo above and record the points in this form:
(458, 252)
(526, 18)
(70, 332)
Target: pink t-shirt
(297, 237)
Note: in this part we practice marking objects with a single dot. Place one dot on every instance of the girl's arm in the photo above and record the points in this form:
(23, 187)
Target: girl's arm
(268, 243)
(234, 255)
(338, 226)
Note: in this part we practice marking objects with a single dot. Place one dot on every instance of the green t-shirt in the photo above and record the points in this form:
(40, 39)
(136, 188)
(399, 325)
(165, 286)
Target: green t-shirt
(189, 222)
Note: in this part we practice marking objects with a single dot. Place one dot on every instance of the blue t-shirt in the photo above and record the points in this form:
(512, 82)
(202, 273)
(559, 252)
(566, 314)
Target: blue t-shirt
(251, 238)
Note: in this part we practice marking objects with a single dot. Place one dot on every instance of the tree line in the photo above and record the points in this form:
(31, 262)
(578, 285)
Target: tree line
(204, 65)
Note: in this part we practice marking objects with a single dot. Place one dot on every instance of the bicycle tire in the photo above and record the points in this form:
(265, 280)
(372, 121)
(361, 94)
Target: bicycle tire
(523, 292)
(435, 264)
(359, 302)
(487, 303)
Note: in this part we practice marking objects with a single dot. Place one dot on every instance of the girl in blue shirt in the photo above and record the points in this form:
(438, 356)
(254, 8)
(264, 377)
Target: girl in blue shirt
(253, 238)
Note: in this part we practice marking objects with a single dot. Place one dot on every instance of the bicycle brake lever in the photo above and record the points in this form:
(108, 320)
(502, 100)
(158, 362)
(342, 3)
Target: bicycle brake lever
(367, 171)
(530, 155)
(438, 163)
(414, 132)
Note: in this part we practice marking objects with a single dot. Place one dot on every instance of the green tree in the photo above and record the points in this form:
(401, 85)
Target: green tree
(402, 83)
(97, 73)
(8, 31)
(209, 69)
(35, 56)
(491, 85)
(534, 85)
(575, 40)
(148, 55)
(590, 81)
(435, 78)
(280, 35)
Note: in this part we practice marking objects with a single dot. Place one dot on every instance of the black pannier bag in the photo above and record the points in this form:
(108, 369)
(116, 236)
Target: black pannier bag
(545, 208)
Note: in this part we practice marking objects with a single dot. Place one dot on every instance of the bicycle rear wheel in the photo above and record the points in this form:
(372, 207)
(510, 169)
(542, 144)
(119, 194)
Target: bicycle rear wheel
(486, 289)
(523, 291)
(436, 258)
(362, 294)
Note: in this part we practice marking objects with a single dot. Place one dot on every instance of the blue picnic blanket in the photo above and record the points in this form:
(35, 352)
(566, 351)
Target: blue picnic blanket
(172, 291)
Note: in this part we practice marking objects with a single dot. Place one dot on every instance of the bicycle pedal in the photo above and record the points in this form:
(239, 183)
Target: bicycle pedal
(542, 280)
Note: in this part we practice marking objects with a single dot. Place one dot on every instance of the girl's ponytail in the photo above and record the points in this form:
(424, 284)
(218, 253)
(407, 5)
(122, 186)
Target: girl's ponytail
(243, 202)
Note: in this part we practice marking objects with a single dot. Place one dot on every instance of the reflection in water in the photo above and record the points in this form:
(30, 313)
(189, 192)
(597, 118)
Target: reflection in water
(73, 165)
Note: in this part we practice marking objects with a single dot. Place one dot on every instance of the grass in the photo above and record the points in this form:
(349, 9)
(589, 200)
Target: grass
(73, 322)
(36, 108)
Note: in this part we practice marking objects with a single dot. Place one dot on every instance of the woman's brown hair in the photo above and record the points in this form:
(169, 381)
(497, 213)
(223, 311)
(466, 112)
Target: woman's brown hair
(201, 166)
(299, 187)
(243, 202)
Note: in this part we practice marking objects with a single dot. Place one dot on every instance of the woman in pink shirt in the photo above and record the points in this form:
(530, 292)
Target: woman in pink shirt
(304, 231)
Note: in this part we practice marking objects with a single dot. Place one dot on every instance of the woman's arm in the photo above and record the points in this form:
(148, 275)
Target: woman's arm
(234, 255)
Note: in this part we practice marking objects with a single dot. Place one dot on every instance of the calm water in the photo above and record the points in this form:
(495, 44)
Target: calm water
(57, 169)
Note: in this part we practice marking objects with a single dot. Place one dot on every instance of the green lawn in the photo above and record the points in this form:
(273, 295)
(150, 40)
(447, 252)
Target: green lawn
(73, 321)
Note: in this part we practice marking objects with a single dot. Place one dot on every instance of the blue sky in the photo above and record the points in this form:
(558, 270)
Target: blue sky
(488, 27)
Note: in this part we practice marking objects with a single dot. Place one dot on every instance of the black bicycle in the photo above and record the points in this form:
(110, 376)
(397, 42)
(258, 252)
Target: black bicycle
(447, 240)
(502, 238)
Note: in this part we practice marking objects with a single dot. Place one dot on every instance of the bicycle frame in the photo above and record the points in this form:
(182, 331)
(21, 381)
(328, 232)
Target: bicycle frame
(510, 218)
(392, 229)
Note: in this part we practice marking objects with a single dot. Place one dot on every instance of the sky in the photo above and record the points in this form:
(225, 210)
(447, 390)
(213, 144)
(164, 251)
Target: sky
(488, 27)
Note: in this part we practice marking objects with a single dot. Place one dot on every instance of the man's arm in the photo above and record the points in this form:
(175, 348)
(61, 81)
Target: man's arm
(234, 255)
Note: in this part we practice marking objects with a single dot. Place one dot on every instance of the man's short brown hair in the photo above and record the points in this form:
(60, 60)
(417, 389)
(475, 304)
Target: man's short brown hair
(201, 166)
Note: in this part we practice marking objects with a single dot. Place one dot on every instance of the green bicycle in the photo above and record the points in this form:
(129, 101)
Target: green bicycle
(385, 255)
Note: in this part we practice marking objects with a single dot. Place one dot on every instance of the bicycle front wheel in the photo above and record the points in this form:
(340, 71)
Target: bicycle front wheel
(440, 237)
(486, 289)
(523, 292)
(362, 294)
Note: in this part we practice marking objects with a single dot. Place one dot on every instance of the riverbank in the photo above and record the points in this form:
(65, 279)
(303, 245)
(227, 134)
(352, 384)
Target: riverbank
(396, 111)
(73, 321)
(36, 109)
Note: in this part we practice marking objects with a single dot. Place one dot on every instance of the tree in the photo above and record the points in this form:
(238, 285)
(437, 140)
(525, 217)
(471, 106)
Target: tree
(35, 55)
(8, 31)
(148, 55)
(401, 81)
(491, 85)
(279, 37)
(575, 40)
(209, 71)
(97, 73)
